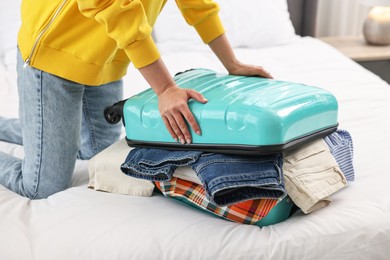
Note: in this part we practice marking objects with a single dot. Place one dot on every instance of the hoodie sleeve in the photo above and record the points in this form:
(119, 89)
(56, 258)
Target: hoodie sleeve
(125, 22)
(203, 16)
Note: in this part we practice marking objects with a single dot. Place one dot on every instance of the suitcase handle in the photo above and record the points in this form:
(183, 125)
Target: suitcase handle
(114, 113)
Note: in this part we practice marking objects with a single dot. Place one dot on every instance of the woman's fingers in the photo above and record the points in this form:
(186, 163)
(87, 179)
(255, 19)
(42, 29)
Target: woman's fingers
(190, 119)
(196, 95)
(250, 70)
(177, 127)
(176, 114)
(168, 124)
(185, 135)
(263, 73)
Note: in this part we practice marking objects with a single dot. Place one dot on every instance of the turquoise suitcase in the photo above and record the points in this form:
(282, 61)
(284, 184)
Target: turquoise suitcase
(244, 115)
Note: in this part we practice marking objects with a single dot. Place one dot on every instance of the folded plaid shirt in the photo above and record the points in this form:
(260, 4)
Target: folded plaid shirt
(246, 212)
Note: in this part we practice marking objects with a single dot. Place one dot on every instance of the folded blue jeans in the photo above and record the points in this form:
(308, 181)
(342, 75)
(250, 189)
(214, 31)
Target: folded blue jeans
(227, 179)
(156, 164)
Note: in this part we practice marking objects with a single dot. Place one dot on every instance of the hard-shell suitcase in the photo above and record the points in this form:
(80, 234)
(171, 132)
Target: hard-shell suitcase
(245, 115)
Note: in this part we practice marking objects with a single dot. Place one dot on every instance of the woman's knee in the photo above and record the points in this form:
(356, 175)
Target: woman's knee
(44, 191)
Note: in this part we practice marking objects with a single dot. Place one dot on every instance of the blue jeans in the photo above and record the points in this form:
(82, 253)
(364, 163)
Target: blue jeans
(156, 164)
(227, 179)
(59, 121)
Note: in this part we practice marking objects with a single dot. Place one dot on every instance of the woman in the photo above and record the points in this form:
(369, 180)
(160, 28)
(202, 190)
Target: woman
(72, 56)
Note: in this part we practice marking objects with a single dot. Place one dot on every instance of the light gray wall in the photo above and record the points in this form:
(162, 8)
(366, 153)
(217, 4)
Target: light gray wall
(340, 17)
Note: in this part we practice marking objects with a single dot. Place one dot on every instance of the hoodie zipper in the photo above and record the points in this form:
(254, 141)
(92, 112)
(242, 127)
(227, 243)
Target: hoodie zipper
(28, 60)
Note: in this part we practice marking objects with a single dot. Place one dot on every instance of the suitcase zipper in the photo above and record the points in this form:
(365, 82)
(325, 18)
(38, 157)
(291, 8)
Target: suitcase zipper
(28, 60)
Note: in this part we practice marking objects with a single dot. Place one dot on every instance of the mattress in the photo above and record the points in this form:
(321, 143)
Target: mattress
(80, 223)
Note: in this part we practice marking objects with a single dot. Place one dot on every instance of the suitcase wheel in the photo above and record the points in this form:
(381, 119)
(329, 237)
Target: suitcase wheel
(113, 114)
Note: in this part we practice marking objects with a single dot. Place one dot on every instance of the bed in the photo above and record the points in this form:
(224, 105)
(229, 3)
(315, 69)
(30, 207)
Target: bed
(82, 223)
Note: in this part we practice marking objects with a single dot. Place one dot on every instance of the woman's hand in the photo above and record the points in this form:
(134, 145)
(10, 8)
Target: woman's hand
(248, 70)
(174, 110)
(222, 49)
(172, 101)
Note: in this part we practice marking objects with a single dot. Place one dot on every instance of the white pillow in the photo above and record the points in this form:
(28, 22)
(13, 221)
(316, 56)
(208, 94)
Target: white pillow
(248, 23)
(257, 23)
(171, 28)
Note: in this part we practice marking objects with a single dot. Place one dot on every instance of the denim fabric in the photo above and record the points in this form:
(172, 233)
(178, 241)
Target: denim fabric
(156, 164)
(10, 130)
(59, 121)
(227, 178)
(341, 147)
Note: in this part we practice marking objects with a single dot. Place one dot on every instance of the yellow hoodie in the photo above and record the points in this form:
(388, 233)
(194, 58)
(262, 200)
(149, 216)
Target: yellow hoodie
(92, 41)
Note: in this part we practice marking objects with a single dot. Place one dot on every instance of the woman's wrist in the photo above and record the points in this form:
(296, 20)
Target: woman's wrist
(158, 77)
(224, 52)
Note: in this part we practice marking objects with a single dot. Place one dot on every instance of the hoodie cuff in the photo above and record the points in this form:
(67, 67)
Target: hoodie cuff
(143, 52)
(210, 28)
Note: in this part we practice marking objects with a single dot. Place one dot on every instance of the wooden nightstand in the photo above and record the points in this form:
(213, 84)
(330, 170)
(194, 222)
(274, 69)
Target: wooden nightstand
(372, 57)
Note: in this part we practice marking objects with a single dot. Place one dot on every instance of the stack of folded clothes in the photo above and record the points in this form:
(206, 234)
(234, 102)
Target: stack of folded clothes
(259, 190)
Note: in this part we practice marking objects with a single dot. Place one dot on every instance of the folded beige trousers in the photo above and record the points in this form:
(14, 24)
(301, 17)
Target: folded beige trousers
(105, 173)
(311, 175)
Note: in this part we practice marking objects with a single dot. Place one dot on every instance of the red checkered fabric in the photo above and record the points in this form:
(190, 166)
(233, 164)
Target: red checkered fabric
(246, 212)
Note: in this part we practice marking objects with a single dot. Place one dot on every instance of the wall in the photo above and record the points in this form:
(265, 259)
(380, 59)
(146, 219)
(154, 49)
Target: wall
(340, 17)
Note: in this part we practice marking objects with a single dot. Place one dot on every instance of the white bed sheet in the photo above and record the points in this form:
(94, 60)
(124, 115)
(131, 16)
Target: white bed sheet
(80, 223)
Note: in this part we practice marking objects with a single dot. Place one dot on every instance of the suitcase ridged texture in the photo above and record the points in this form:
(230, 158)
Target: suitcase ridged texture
(241, 111)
